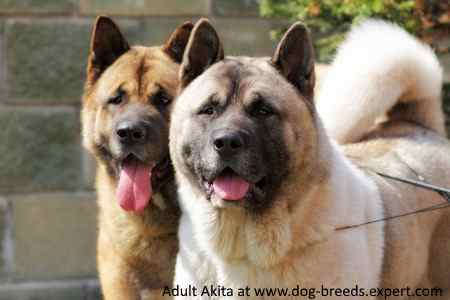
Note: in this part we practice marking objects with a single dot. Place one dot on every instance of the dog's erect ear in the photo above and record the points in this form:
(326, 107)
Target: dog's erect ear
(294, 58)
(107, 44)
(176, 44)
(203, 49)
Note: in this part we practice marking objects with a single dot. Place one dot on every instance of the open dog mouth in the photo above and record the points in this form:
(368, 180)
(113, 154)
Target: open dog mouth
(138, 180)
(230, 186)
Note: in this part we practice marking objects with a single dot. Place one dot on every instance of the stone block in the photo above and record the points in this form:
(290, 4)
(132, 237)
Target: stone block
(40, 149)
(248, 37)
(54, 290)
(5, 243)
(46, 59)
(37, 6)
(156, 31)
(144, 7)
(54, 236)
(235, 8)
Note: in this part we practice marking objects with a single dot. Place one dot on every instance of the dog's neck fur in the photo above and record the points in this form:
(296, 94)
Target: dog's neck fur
(235, 240)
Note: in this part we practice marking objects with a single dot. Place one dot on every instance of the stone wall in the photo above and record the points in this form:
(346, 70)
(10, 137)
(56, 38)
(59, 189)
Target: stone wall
(47, 204)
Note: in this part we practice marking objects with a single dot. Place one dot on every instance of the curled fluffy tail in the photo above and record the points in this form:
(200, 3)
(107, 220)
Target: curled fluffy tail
(380, 70)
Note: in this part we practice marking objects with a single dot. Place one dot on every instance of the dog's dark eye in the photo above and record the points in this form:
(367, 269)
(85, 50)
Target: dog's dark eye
(207, 110)
(161, 98)
(117, 99)
(261, 109)
(210, 107)
(264, 111)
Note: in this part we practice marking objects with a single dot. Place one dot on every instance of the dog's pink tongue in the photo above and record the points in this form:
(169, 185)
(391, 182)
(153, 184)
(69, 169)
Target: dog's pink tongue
(230, 187)
(134, 189)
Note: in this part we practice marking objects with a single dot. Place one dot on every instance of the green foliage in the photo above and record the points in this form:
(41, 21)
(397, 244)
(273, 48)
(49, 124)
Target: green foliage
(330, 19)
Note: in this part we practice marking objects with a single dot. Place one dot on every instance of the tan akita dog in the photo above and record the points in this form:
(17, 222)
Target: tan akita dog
(270, 201)
(126, 113)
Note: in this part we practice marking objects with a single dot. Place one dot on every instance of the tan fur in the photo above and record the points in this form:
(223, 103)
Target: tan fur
(126, 72)
(385, 140)
(303, 237)
(136, 252)
(410, 152)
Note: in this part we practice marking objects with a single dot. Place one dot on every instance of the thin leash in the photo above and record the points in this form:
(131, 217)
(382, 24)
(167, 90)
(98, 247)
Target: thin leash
(443, 192)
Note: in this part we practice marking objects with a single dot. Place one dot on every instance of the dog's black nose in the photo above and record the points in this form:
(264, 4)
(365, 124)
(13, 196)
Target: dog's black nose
(228, 142)
(130, 132)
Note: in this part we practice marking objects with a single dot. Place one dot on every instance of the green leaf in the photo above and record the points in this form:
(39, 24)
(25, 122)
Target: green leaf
(334, 17)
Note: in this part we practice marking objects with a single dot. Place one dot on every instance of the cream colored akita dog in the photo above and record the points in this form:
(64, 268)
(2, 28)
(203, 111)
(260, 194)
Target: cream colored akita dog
(269, 200)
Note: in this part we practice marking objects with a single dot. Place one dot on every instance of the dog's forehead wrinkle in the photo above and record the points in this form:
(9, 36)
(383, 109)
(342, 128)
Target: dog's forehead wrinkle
(244, 66)
(244, 79)
(235, 79)
(115, 76)
(140, 72)
(239, 74)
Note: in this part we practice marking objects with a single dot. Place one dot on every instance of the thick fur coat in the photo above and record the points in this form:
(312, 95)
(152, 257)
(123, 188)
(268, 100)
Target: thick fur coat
(295, 225)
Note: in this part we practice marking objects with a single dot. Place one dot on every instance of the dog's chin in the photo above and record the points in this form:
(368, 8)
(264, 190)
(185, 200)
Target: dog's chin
(255, 193)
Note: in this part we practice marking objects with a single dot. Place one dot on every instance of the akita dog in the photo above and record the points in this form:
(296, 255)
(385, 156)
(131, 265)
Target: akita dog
(127, 102)
(270, 201)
